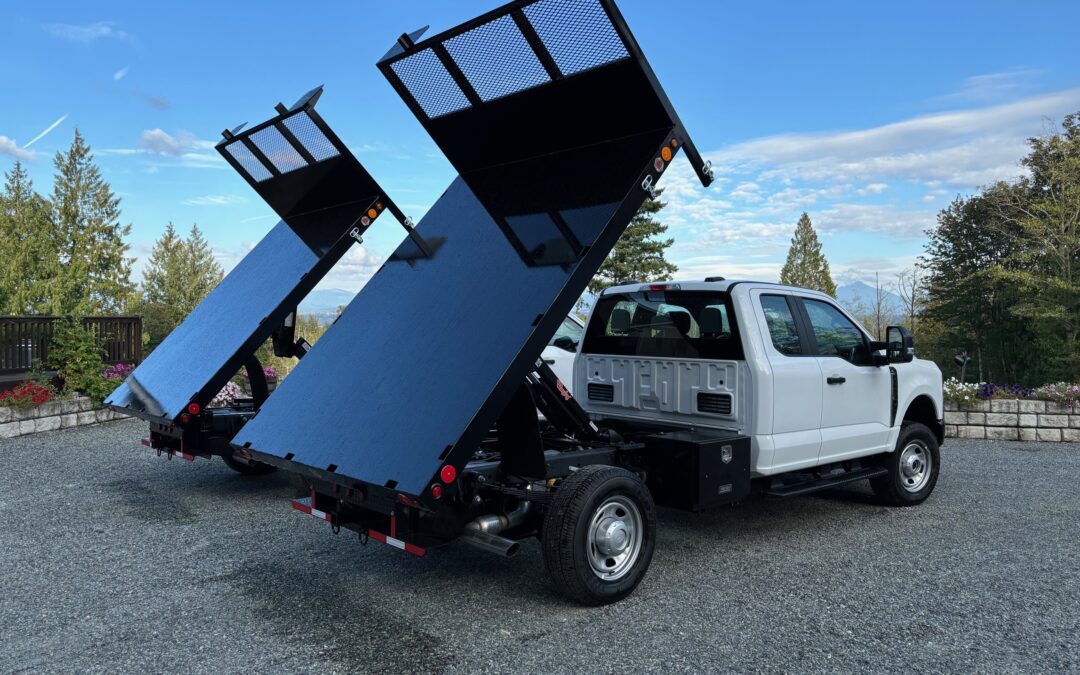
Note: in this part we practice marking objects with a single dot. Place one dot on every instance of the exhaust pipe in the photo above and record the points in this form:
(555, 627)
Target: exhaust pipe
(492, 543)
(483, 532)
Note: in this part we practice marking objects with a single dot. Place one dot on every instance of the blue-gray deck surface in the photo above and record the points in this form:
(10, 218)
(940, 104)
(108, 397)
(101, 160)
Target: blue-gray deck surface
(195, 353)
(420, 350)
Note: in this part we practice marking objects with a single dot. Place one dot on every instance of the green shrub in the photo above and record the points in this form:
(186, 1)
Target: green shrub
(79, 360)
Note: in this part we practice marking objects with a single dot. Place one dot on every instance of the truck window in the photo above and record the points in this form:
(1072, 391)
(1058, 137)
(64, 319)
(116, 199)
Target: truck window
(568, 328)
(781, 322)
(675, 324)
(835, 334)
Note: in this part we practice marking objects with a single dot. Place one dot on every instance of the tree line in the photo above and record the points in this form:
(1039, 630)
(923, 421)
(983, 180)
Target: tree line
(64, 254)
(1003, 270)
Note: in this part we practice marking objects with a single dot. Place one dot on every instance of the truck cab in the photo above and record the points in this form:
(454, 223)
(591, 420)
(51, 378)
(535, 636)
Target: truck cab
(788, 367)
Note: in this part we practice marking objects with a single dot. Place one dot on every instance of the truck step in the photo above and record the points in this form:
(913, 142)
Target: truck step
(802, 488)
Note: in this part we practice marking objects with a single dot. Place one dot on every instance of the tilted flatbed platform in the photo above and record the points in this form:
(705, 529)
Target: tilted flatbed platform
(559, 130)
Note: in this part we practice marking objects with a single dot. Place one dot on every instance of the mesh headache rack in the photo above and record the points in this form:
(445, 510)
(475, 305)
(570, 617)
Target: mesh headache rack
(326, 201)
(559, 131)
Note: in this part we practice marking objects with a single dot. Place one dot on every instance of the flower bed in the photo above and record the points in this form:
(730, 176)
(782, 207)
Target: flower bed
(51, 415)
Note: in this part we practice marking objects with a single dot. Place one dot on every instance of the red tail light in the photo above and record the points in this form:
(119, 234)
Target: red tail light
(194, 408)
(436, 491)
(448, 474)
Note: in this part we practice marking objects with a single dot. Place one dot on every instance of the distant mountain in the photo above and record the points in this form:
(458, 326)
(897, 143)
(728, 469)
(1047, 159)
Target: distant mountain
(859, 294)
(325, 300)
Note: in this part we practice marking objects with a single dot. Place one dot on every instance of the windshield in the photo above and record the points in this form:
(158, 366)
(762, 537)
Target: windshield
(676, 324)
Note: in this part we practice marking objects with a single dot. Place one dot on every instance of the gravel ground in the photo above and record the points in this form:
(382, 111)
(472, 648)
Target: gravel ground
(114, 560)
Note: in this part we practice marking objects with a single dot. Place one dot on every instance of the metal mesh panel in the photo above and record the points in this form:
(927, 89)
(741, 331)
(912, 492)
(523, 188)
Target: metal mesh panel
(578, 33)
(496, 59)
(251, 164)
(311, 137)
(430, 85)
(278, 150)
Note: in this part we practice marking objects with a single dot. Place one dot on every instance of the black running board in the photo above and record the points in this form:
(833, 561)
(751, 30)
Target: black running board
(796, 489)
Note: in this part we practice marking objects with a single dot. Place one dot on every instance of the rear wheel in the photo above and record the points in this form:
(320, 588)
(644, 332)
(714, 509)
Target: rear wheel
(247, 468)
(913, 467)
(599, 535)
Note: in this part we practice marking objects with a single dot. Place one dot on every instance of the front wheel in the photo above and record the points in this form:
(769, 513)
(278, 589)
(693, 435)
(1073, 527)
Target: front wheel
(599, 534)
(913, 467)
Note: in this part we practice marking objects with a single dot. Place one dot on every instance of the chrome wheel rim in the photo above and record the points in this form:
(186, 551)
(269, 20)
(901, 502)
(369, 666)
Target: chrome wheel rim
(916, 466)
(614, 542)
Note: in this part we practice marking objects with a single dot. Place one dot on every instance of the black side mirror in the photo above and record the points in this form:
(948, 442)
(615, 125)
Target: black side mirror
(565, 342)
(900, 344)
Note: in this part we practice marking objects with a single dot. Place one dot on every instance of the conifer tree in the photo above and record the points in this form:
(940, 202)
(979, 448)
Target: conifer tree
(94, 272)
(28, 260)
(178, 275)
(806, 265)
(639, 254)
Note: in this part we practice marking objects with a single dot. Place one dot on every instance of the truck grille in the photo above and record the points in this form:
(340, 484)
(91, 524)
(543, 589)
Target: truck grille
(602, 392)
(717, 404)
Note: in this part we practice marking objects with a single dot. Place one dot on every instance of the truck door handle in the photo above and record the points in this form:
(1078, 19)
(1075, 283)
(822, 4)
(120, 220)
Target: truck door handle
(836, 380)
(550, 362)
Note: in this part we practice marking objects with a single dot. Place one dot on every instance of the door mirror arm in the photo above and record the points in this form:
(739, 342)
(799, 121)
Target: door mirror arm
(879, 353)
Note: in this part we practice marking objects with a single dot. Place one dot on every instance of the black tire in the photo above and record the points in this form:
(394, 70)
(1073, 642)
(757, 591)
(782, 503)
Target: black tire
(246, 468)
(900, 487)
(568, 528)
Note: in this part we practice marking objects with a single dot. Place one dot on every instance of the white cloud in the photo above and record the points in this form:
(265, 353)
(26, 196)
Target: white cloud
(183, 148)
(87, 33)
(122, 73)
(10, 148)
(995, 86)
(872, 189)
(844, 218)
(215, 200)
(960, 147)
(354, 270)
(47, 130)
(159, 142)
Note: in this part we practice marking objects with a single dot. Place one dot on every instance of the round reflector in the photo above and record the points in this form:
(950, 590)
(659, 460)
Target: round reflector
(372, 213)
(185, 418)
(666, 154)
(436, 492)
(193, 408)
(448, 474)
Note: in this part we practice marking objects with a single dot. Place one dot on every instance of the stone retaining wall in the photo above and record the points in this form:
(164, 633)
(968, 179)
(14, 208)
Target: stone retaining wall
(51, 416)
(1013, 420)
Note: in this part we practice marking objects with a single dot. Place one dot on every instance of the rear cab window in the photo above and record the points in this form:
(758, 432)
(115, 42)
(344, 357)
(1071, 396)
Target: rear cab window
(670, 323)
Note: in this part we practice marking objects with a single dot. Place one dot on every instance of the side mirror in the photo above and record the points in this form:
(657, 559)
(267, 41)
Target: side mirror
(565, 342)
(900, 344)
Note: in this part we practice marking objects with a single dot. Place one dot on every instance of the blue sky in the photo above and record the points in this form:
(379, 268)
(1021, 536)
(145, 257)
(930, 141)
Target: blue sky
(870, 116)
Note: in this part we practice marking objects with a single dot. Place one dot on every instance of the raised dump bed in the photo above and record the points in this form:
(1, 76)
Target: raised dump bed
(326, 200)
(559, 131)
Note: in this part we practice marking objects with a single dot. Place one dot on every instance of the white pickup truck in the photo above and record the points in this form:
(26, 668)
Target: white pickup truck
(786, 366)
(689, 395)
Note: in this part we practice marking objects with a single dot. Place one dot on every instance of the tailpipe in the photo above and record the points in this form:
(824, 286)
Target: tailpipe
(492, 543)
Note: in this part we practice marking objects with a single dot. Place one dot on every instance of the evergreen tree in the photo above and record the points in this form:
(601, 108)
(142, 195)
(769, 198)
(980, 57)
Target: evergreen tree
(806, 265)
(638, 255)
(28, 260)
(178, 275)
(94, 272)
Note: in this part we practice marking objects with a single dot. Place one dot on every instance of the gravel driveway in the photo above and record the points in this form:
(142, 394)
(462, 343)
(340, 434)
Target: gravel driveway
(112, 559)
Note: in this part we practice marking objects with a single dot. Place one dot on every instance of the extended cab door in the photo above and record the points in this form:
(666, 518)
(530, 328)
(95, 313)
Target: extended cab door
(856, 395)
(796, 383)
(560, 353)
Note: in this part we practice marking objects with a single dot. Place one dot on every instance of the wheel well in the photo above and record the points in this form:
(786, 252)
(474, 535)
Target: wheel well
(923, 411)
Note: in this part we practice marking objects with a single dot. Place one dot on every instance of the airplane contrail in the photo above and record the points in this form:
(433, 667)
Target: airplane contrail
(42, 135)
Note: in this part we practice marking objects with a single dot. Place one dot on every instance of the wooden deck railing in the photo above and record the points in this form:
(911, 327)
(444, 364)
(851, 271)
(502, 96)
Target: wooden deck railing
(24, 339)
